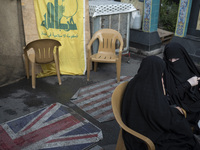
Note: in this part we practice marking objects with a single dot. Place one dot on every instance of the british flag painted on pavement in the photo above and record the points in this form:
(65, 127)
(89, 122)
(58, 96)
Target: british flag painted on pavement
(95, 99)
(56, 127)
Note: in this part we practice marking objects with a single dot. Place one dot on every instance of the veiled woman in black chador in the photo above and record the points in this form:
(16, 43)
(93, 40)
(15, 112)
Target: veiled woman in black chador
(181, 82)
(145, 109)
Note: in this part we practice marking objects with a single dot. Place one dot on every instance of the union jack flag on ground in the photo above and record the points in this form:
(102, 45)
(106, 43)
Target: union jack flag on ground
(56, 127)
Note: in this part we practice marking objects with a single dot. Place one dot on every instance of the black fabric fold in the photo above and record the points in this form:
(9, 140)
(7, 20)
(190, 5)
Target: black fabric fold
(176, 75)
(145, 109)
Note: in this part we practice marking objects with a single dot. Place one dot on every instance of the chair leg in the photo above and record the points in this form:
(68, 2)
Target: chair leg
(95, 66)
(88, 69)
(33, 75)
(120, 142)
(26, 66)
(57, 69)
(118, 67)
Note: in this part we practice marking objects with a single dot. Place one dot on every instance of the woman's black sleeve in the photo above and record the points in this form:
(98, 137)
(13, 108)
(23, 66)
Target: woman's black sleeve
(182, 88)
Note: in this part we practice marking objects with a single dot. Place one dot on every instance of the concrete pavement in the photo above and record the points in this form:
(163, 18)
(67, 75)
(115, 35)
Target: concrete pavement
(19, 98)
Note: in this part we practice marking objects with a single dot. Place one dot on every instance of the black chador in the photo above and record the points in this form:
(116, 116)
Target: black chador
(180, 92)
(145, 109)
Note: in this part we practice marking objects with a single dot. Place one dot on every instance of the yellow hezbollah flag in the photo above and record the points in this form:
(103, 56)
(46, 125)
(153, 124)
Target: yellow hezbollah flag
(63, 20)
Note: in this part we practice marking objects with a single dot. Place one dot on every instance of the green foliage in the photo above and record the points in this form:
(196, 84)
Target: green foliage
(168, 15)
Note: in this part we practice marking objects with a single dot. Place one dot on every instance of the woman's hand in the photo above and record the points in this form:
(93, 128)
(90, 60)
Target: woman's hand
(193, 81)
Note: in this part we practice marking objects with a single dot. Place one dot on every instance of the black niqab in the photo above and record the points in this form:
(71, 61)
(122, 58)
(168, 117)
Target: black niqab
(182, 69)
(176, 74)
(145, 110)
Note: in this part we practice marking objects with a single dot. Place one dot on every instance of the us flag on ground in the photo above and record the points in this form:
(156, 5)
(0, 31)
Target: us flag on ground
(95, 99)
(55, 127)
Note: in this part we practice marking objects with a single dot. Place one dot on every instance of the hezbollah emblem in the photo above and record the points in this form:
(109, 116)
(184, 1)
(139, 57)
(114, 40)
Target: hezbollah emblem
(60, 16)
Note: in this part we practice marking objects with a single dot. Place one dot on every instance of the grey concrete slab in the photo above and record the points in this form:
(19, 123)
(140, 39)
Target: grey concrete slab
(19, 98)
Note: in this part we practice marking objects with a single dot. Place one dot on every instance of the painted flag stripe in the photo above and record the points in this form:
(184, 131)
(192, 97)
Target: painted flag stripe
(93, 88)
(96, 85)
(104, 113)
(102, 108)
(91, 104)
(95, 91)
(36, 135)
(96, 99)
(73, 138)
(40, 116)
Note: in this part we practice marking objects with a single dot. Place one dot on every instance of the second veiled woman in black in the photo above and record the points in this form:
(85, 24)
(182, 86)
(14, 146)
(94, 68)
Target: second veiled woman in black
(146, 110)
(181, 82)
